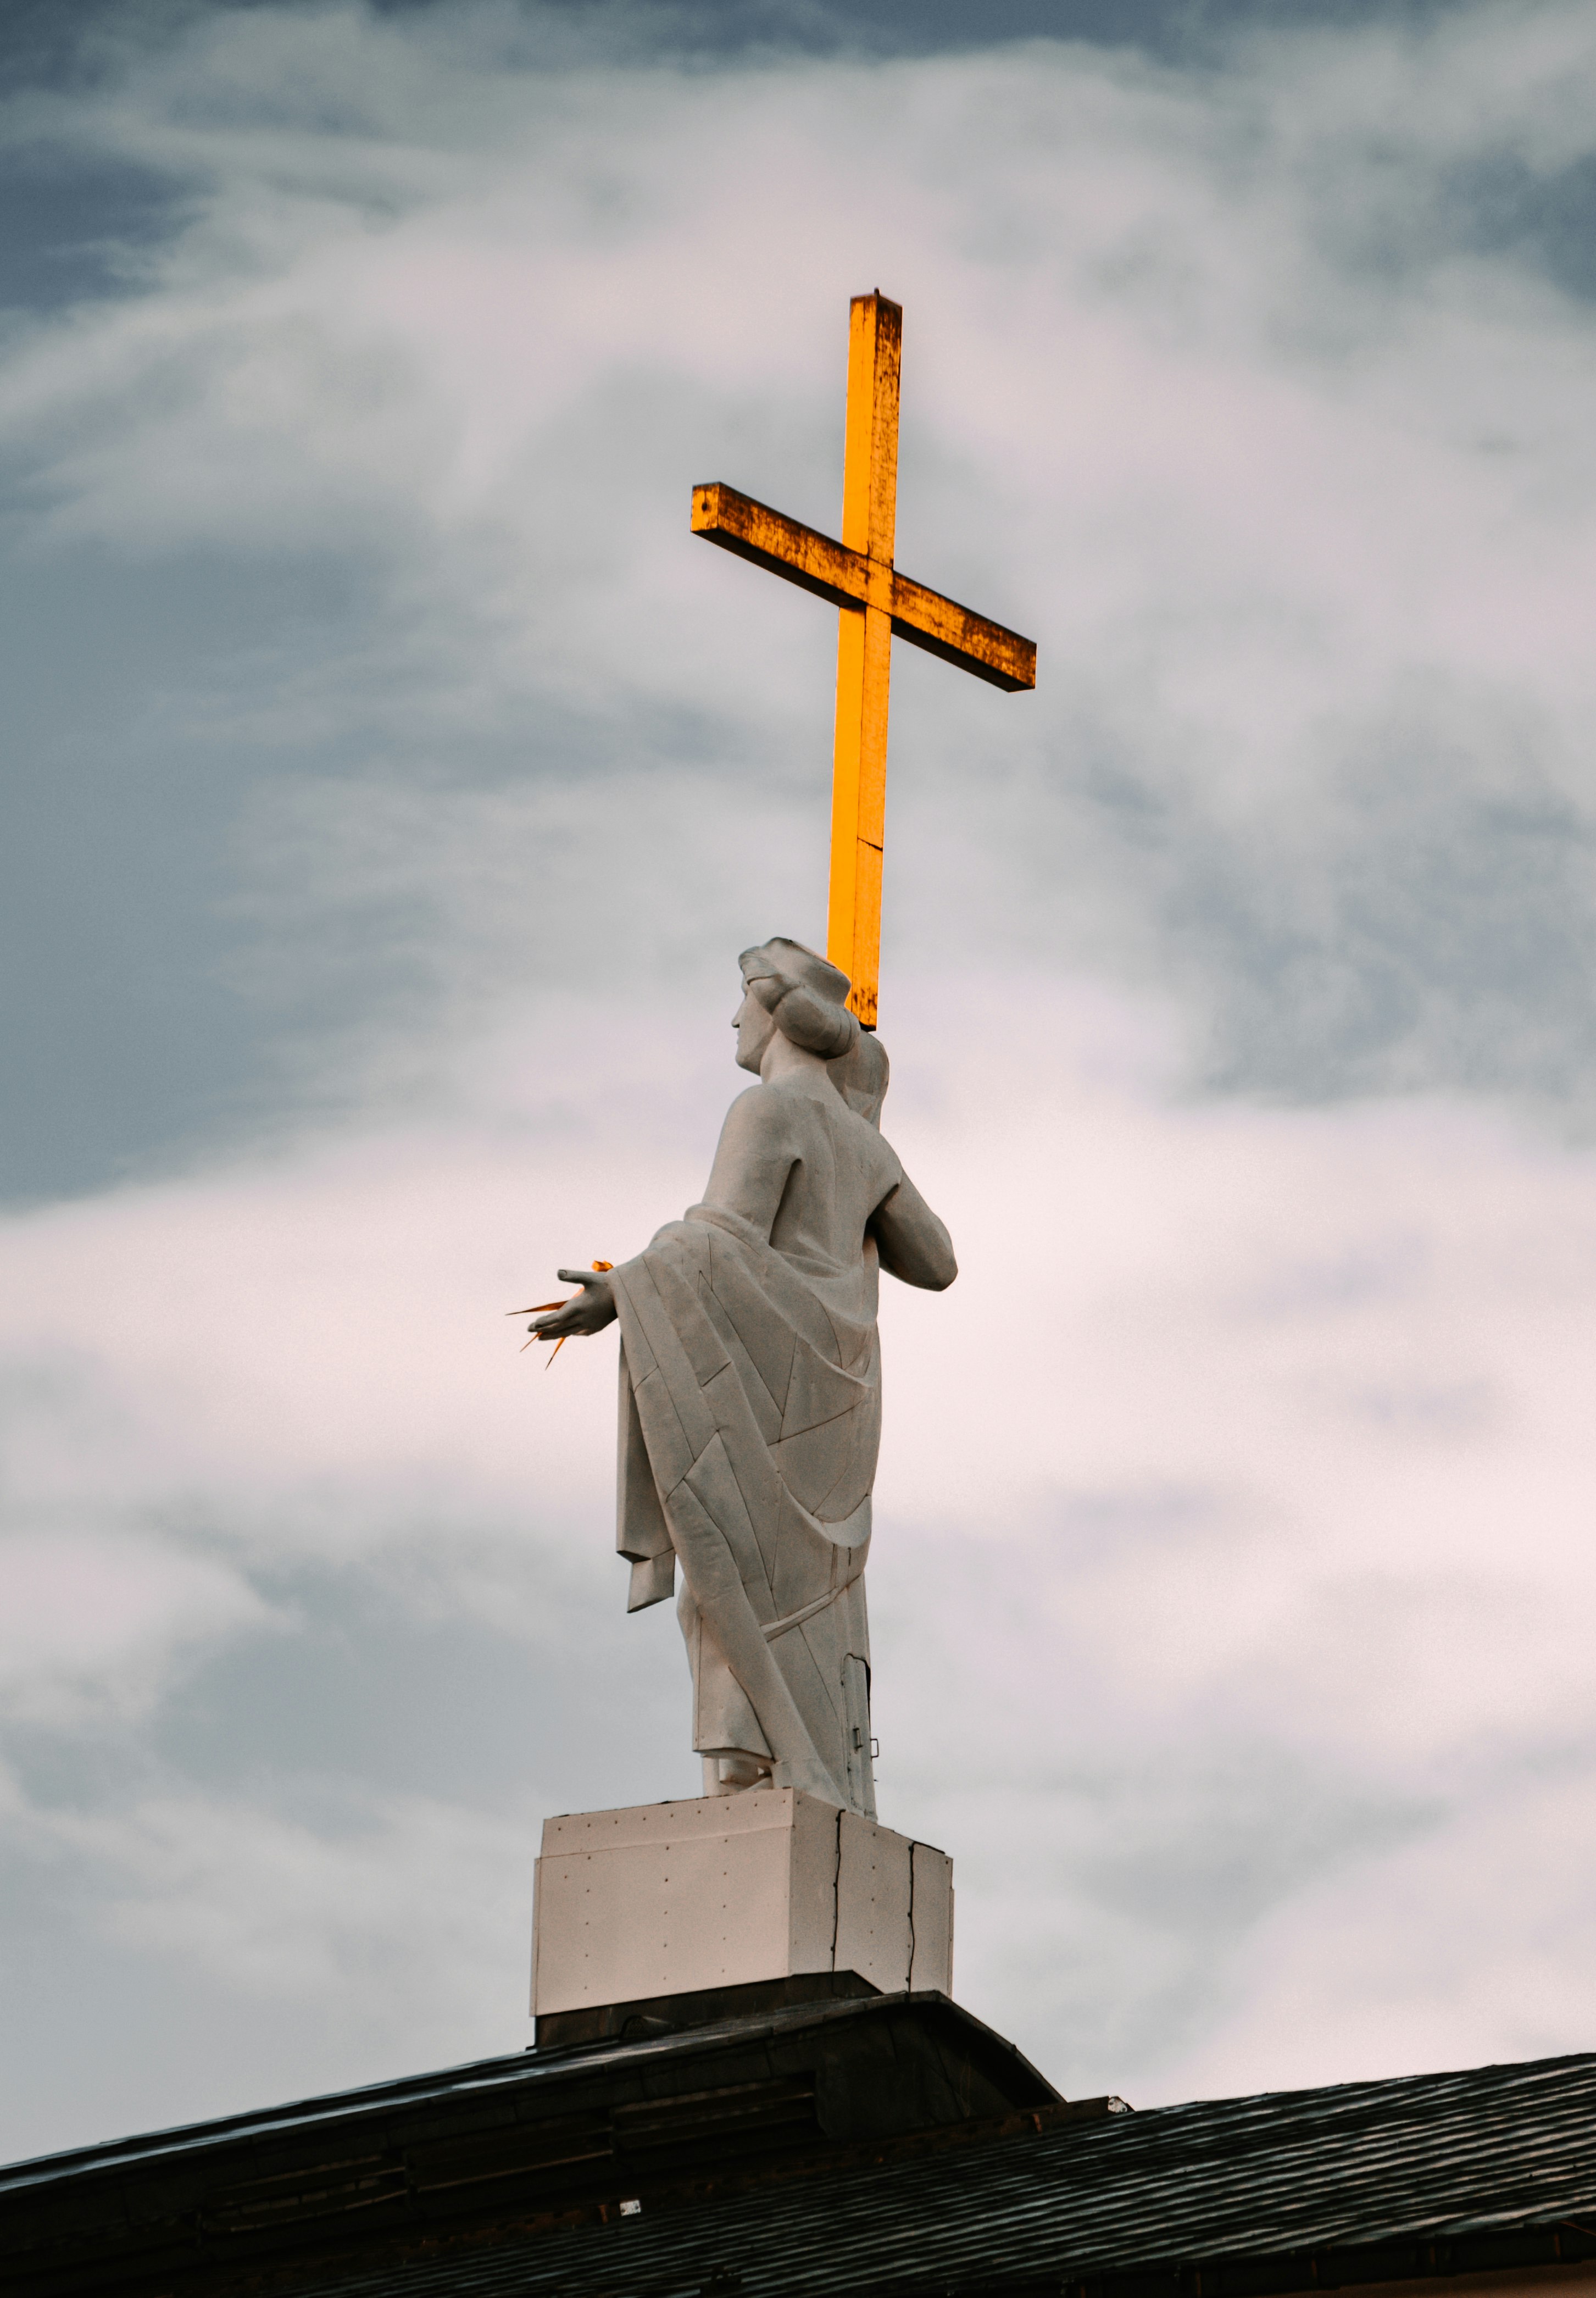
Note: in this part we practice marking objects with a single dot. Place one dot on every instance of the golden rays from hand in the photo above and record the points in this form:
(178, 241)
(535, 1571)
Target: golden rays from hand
(542, 1308)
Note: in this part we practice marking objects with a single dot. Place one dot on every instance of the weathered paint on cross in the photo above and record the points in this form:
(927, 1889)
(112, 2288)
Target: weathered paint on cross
(877, 604)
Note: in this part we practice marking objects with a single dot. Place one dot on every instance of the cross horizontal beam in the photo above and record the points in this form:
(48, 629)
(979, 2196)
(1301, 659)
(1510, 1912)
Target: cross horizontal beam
(848, 578)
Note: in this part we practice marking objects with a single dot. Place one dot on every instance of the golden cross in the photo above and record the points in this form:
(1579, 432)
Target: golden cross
(877, 602)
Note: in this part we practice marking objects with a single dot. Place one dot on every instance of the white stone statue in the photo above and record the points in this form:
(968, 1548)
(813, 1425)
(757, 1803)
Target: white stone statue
(751, 1389)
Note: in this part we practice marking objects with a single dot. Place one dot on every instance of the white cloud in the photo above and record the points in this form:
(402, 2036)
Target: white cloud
(410, 1906)
(94, 1621)
(1430, 1956)
(388, 1934)
(1255, 1455)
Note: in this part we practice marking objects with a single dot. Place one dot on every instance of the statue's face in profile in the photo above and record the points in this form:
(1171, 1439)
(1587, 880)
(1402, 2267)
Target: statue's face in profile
(755, 1029)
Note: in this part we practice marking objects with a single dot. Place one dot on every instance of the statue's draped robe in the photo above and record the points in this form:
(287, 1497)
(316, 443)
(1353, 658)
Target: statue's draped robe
(750, 1421)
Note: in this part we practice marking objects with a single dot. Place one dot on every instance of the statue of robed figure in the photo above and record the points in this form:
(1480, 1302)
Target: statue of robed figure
(751, 1406)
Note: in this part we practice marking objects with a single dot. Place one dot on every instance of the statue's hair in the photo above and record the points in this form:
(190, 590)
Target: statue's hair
(803, 992)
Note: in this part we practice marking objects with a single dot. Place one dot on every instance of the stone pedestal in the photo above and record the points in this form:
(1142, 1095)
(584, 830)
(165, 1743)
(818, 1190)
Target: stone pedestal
(668, 1899)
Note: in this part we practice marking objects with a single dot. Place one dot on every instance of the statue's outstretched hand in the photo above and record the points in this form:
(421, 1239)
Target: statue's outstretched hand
(593, 1307)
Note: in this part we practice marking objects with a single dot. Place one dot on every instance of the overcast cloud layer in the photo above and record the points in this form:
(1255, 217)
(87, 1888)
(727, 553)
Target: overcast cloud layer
(393, 781)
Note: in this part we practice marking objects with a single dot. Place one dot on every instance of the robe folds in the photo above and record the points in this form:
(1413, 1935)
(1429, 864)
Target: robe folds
(750, 1425)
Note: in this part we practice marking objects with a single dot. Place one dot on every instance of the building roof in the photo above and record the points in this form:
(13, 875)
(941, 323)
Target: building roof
(1363, 2182)
(1359, 2183)
(531, 2138)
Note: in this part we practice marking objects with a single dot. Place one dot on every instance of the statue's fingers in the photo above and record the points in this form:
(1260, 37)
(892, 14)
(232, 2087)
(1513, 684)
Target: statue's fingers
(574, 1275)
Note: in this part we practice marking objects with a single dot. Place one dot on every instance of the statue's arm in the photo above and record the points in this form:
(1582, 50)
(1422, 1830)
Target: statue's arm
(912, 1244)
(755, 1159)
(757, 1153)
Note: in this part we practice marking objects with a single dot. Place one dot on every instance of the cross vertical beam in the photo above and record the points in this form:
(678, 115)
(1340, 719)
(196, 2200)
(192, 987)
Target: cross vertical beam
(876, 604)
(865, 651)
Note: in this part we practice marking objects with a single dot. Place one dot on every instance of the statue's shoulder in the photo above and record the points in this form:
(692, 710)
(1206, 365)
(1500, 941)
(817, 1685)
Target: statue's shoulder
(762, 1112)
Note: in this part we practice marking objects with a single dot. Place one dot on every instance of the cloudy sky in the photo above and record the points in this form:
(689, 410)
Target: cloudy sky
(390, 783)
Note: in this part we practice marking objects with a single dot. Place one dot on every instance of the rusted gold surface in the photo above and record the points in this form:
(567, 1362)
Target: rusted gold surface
(877, 603)
(847, 578)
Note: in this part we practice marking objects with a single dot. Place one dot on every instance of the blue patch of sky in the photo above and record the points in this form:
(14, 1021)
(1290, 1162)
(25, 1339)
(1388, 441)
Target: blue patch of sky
(1503, 207)
(64, 41)
(122, 1036)
(70, 226)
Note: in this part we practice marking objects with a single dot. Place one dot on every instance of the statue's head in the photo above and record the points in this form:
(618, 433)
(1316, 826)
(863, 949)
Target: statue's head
(798, 992)
(791, 988)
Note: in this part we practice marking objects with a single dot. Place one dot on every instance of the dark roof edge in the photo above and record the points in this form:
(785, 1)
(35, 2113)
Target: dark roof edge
(398, 2092)
(1519, 2069)
(519, 2066)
